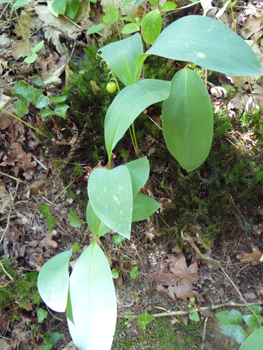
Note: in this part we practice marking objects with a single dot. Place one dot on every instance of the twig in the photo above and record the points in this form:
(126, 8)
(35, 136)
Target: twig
(11, 177)
(51, 203)
(40, 163)
(2, 267)
(203, 337)
(53, 315)
(189, 239)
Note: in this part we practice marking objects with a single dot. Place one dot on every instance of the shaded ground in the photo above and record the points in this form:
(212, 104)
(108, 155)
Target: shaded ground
(218, 207)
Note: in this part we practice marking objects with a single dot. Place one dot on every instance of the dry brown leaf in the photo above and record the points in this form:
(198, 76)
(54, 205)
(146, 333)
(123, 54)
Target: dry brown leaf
(255, 258)
(178, 283)
(5, 200)
(36, 187)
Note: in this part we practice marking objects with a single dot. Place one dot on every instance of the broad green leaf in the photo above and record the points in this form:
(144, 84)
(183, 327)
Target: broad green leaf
(111, 16)
(195, 316)
(143, 207)
(128, 104)
(52, 338)
(128, 315)
(38, 82)
(45, 210)
(252, 322)
(74, 221)
(139, 171)
(36, 97)
(46, 112)
(53, 281)
(41, 315)
(72, 8)
(208, 43)
(20, 3)
(134, 272)
(31, 59)
(59, 6)
(58, 98)
(256, 308)
(146, 318)
(21, 108)
(93, 301)
(96, 28)
(38, 46)
(121, 57)
(168, 6)
(230, 322)
(154, 2)
(126, 18)
(110, 195)
(96, 226)
(152, 27)
(187, 120)
(254, 341)
(61, 110)
(21, 88)
(117, 239)
(130, 28)
(141, 325)
(115, 273)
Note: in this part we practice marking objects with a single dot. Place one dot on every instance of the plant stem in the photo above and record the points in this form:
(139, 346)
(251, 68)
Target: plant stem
(136, 148)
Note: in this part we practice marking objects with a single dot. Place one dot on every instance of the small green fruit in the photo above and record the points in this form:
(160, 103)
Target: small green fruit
(111, 87)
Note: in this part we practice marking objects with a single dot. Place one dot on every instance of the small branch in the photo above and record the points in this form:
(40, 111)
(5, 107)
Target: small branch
(2, 267)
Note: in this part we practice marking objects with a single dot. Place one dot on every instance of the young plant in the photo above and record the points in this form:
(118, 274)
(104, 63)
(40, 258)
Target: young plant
(66, 7)
(88, 295)
(109, 19)
(33, 57)
(231, 322)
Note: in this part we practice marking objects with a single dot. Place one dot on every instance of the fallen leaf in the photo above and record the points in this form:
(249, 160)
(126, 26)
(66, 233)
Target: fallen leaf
(36, 187)
(178, 282)
(255, 258)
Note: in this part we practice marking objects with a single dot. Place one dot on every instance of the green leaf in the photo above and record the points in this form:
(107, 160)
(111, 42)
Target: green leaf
(154, 2)
(31, 59)
(213, 46)
(141, 325)
(53, 281)
(143, 207)
(152, 27)
(20, 3)
(21, 88)
(74, 221)
(121, 57)
(252, 322)
(115, 273)
(110, 194)
(187, 120)
(117, 239)
(52, 338)
(111, 17)
(139, 171)
(58, 98)
(168, 6)
(38, 46)
(126, 18)
(96, 226)
(254, 341)
(72, 8)
(134, 272)
(41, 315)
(21, 108)
(46, 112)
(96, 28)
(128, 315)
(61, 110)
(146, 318)
(230, 322)
(130, 28)
(256, 308)
(38, 82)
(45, 210)
(59, 6)
(36, 97)
(195, 316)
(128, 104)
(93, 301)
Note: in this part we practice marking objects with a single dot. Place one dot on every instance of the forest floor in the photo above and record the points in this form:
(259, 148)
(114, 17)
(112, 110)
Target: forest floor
(210, 224)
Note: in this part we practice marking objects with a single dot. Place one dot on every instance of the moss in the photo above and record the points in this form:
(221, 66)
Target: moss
(159, 334)
(22, 291)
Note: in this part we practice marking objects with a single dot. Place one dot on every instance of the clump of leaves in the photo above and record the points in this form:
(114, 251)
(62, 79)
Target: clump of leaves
(22, 290)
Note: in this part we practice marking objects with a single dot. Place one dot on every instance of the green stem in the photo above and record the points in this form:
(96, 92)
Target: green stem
(136, 148)
(21, 120)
